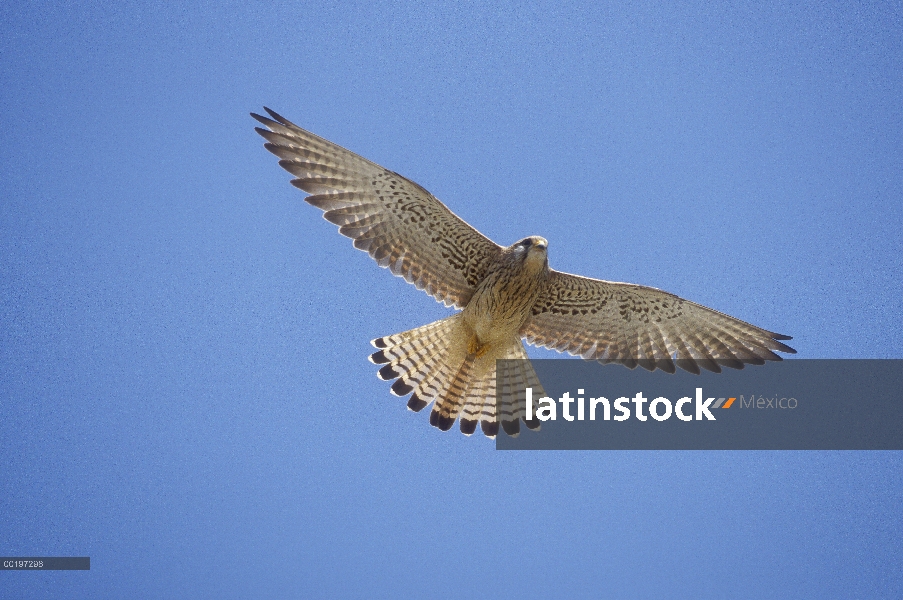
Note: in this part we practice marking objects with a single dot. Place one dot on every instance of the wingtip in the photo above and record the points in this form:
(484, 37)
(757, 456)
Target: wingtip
(274, 117)
(278, 117)
(689, 365)
(781, 347)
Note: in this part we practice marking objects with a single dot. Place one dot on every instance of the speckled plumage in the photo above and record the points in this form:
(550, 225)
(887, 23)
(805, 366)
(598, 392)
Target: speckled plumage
(507, 294)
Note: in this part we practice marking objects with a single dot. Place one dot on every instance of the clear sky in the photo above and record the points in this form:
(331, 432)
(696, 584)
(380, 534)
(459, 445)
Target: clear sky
(184, 390)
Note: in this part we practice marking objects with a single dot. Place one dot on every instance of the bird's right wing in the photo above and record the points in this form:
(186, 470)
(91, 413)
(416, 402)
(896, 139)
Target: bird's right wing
(637, 325)
(400, 224)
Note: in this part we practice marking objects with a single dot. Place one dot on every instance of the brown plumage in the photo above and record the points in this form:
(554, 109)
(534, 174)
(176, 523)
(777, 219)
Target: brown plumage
(507, 294)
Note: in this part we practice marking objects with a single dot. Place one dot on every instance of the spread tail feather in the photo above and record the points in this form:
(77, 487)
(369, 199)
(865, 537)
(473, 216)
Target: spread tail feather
(449, 404)
(431, 363)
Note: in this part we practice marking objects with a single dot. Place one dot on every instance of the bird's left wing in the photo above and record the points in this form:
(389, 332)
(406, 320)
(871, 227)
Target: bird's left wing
(637, 325)
(400, 224)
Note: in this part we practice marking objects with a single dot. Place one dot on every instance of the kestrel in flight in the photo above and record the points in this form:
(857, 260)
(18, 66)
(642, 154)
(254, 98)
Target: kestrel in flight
(506, 294)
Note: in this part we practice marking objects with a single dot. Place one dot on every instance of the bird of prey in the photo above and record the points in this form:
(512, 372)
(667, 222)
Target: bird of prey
(506, 295)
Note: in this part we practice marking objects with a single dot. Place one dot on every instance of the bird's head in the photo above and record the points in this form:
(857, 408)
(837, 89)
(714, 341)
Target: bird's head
(532, 251)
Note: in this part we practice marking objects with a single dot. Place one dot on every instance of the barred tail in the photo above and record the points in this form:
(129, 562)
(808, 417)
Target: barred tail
(514, 376)
(432, 364)
(424, 361)
(449, 404)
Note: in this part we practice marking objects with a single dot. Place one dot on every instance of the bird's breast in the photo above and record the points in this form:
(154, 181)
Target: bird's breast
(501, 303)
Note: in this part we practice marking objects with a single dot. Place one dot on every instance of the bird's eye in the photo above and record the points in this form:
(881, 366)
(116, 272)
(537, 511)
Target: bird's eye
(526, 243)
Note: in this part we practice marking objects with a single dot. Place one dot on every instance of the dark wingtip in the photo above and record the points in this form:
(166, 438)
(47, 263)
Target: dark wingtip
(731, 363)
(468, 427)
(666, 365)
(710, 365)
(416, 404)
(278, 117)
(400, 388)
(378, 342)
(647, 363)
(261, 119)
(689, 365)
(785, 348)
(781, 336)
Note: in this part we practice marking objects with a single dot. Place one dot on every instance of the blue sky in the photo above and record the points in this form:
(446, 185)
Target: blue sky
(184, 391)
